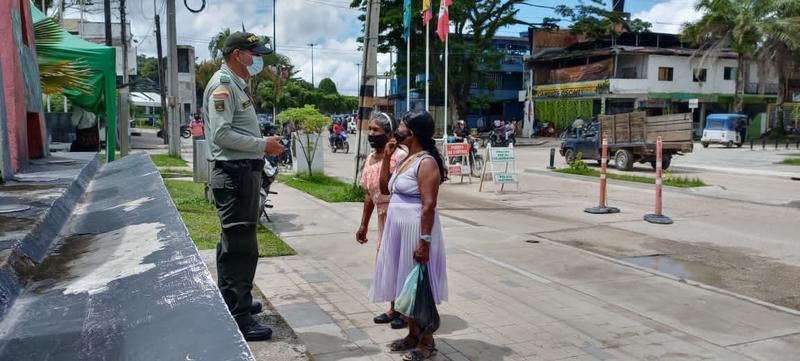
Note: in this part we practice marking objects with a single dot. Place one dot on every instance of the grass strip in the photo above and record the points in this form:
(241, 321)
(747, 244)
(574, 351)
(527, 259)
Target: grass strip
(323, 187)
(790, 161)
(164, 160)
(201, 219)
(679, 182)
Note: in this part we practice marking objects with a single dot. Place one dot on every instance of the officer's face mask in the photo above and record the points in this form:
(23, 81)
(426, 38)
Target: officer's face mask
(256, 66)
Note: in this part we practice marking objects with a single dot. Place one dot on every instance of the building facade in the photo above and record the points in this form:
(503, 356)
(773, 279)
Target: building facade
(22, 131)
(95, 32)
(654, 72)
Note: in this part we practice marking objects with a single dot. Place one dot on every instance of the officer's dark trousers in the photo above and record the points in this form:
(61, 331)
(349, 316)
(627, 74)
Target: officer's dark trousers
(235, 186)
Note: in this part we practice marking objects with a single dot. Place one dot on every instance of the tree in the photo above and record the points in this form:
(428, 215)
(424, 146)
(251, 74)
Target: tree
(780, 26)
(727, 23)
(472, 54)
(308, 122)
(147, 68)
(596, 21)
(327, 86)
(217, 43)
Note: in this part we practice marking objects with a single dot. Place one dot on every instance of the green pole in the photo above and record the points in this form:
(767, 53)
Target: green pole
(111, 112)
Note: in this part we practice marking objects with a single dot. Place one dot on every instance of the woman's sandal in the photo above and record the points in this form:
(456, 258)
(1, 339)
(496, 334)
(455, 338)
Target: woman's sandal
(402, 344)
(417, 355)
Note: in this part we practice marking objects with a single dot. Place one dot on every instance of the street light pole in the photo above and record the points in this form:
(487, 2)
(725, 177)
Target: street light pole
(312, 45)
(358, 77)
(172, 77)
(277, 67)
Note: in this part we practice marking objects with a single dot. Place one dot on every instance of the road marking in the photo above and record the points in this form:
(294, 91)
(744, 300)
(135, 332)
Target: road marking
(508, 267)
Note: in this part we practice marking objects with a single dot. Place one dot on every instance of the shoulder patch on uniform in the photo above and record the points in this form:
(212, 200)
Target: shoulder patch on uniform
(246, 104)
(219, 105)
(220, 93)
(224, 79)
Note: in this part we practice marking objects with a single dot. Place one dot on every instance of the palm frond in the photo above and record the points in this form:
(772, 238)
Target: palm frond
(58, 77)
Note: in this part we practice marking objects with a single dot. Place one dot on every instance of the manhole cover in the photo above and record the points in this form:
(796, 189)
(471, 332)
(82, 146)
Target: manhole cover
(11, 208)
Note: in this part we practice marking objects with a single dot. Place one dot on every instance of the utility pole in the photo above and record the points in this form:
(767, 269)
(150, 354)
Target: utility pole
(161, 91)
(366, 91)
(107, 16)
(312, 64)
(358, 77)
(172, 57)
(124, 111)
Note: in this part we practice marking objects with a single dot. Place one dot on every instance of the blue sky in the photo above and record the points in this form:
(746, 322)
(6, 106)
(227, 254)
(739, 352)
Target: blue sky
(333, 26)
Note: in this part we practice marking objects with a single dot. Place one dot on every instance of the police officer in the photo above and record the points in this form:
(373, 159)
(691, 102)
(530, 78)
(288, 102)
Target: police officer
(237, 150)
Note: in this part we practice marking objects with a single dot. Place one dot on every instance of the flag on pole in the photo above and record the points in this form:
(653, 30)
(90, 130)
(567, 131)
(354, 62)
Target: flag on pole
(406, 19)
(443, 28)
(427, 14)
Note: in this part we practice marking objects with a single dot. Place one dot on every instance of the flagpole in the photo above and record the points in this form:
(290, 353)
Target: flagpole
(408, 73)
(446, 56)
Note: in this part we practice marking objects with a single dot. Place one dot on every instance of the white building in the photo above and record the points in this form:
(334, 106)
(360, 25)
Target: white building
(187, 85)
(653, 72)
(96, 32)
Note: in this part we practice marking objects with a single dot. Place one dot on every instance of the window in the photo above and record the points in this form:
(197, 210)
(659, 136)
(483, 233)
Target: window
(664, 73)
(730, 73)
(183, 60)
(699, 75)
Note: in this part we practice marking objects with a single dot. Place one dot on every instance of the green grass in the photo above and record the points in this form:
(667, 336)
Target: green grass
(184, 172)
(323, 187)
(201, 219)
(790, 161)
(680, 182)
(164, 160)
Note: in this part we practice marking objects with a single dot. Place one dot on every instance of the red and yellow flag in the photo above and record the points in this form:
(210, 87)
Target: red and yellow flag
(427, 13)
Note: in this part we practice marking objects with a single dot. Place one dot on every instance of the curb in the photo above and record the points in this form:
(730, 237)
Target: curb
(32, 249)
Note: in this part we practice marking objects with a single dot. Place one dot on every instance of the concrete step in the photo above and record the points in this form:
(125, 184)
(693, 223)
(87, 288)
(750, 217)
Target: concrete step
(121, 281)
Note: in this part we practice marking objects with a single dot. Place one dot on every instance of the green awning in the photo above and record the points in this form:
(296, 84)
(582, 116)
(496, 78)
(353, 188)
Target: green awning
(101, 60)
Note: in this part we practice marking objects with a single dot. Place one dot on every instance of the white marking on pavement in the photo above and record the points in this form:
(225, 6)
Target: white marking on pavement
(508, 267)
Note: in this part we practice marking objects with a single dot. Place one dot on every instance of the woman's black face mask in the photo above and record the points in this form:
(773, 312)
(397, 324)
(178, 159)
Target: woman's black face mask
(378, 141)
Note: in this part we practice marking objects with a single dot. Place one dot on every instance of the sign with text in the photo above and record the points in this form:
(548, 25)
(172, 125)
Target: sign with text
(502, 154)
(458, 170)
(505, 178)
(458, 149)
(694, 103)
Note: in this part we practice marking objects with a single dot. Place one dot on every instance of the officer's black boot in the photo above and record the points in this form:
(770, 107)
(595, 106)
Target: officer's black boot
(254, 331)
(256, 307)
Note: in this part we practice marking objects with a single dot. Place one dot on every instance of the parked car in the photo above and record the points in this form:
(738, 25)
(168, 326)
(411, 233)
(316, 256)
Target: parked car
(727, 129)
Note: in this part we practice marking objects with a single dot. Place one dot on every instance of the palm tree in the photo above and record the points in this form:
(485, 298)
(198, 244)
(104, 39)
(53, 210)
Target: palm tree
(57, 76)
(217, 43)
(727, 23)
(780, 26)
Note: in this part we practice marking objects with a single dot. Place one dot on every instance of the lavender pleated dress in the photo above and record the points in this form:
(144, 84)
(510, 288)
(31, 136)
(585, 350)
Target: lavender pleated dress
(401, 237)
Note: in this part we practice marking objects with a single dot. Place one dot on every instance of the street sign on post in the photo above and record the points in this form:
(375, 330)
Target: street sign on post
(694, 103)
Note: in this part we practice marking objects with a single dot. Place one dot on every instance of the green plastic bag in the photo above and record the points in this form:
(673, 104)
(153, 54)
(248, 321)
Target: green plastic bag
(405, 301)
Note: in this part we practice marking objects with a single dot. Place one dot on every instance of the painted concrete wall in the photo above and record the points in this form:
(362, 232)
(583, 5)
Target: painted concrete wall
(21, 91)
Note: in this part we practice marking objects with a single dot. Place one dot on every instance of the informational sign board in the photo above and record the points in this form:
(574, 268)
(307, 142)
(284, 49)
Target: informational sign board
(694, 103)
(457, 158)
(502, 166)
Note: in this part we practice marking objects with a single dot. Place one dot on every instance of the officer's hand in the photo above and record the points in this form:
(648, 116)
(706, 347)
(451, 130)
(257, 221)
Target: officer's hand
(274, 146)
(391, 146)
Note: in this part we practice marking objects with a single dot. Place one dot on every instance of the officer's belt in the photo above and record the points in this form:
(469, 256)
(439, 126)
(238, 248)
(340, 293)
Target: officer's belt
(239, 166)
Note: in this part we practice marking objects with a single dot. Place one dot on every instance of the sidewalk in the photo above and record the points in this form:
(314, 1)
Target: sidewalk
(509, 299)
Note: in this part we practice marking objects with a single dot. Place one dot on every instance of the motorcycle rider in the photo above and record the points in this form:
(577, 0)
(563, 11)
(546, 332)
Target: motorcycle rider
(336, 134)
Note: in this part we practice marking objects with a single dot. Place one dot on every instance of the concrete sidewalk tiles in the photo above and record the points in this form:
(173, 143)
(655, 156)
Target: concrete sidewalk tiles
(508, 300)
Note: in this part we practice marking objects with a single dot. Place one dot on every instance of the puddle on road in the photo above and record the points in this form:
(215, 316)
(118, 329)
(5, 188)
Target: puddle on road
(694, 271)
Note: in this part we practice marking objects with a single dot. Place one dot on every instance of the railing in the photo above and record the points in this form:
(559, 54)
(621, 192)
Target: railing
(769, 88)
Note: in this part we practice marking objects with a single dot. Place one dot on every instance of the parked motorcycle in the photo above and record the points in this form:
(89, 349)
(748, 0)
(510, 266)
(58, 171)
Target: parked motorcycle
(340, 143)
(268, 174)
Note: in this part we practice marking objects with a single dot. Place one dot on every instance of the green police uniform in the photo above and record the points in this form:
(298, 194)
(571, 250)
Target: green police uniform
(236, 148)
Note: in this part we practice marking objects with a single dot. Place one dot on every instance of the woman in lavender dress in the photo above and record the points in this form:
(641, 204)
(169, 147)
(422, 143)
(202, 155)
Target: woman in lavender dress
(412, 233)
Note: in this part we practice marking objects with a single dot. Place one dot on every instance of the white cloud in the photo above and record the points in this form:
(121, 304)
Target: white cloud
(669, 16)
(333, 28)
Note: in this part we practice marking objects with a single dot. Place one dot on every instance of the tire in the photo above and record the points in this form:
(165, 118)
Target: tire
(739, 145)
(346, 147)
(477, 166)
(623, 160)
(665, 162)
(729, 144)
(569, 155)
(705, 144)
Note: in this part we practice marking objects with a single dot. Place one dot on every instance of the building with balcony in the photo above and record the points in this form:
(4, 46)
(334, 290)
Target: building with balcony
(654, 72)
